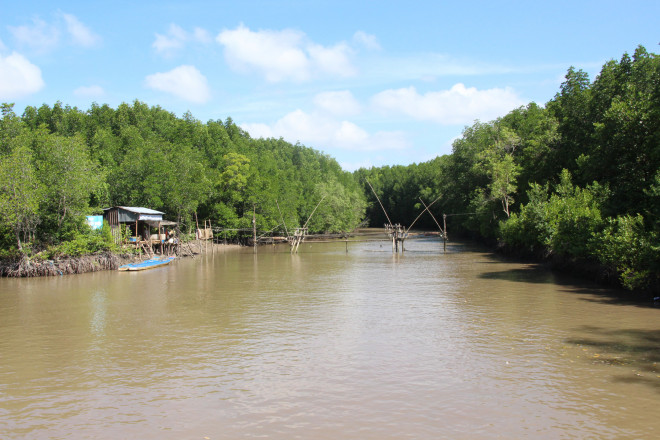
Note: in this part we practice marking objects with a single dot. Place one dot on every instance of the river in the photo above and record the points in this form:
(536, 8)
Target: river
(336, 342)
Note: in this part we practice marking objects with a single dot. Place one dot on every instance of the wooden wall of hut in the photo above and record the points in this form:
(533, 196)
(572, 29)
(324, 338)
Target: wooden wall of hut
(112, 217)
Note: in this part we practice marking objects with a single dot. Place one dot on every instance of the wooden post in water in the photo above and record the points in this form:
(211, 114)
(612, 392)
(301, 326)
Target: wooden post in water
(297, 238)
(444, 232)
(254, 228)
(197, 233)
(398, 235)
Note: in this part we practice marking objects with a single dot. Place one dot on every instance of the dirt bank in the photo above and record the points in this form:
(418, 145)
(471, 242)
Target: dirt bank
(26, 267)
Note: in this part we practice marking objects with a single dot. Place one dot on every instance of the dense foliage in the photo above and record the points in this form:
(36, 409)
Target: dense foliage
(58, 164)
(577, 180)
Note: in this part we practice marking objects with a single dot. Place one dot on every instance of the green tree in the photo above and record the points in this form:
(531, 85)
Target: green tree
(20, 192)
(188, 185)
(68, 176)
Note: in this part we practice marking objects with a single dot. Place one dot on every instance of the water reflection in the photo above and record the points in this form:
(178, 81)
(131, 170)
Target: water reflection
(99, 310)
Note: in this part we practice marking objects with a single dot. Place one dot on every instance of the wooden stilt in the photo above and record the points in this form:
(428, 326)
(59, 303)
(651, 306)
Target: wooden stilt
(254, 228)
(444, 233)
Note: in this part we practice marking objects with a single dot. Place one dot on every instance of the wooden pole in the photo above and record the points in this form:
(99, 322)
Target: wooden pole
(197, 231)
(442, 229)
(212, 239)
(426, 208)
(282, 218)
(444, 232)
(310, 216)
(254, 228)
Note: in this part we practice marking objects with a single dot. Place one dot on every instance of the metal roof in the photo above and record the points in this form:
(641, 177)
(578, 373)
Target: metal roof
(136, 210)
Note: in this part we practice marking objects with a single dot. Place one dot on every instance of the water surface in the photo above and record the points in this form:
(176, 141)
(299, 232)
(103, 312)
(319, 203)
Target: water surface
(327, 344)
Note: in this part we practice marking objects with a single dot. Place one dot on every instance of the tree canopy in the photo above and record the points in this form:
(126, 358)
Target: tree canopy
(576, 179)
(59, 163)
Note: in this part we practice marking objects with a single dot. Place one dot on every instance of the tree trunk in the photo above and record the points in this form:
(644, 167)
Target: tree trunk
(18, 241)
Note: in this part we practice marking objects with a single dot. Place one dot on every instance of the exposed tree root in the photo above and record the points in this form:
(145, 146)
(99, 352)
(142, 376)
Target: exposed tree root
(26, 267)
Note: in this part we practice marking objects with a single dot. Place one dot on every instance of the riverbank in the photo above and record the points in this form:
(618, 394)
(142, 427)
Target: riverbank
(33, 267)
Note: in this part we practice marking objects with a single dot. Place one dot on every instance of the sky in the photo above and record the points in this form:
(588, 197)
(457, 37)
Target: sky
(370, 83)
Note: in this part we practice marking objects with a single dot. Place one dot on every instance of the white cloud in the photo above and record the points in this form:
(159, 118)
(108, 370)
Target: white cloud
(40, 36)
(44, 37)
(174, 39)
(202, 36)
(18, 77)
(322, 132)
(2, 46)
(185, 82)
(81, 35)
(428, 67)
(177, 38)
(89, 91)
(458, 105)
(283, 55)
(332, 60)
(337, 103)
(275, 54)
(366, 40)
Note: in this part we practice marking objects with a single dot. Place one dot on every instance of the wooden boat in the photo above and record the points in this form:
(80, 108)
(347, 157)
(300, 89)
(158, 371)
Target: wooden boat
(151, 263)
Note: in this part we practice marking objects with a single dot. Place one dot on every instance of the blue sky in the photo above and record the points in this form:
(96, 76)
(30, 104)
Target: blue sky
(370, 83)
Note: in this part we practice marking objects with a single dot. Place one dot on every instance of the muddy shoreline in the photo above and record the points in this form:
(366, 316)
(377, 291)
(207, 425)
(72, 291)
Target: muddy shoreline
(27, 268)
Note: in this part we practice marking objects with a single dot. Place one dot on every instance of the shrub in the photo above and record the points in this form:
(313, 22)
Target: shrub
(563, 223)
(529, 229)
(86, 242)
(627, 249)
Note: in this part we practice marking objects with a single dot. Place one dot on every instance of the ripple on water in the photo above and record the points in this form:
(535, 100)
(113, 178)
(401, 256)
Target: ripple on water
(324, 344)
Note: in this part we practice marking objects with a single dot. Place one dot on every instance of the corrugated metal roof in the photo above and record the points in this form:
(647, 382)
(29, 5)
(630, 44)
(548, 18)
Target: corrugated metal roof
(137, 210)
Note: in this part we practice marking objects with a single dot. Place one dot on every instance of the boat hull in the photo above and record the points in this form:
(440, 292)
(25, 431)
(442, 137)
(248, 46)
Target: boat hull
(146, 265)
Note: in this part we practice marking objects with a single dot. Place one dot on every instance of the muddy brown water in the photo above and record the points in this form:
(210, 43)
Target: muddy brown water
(327, 344)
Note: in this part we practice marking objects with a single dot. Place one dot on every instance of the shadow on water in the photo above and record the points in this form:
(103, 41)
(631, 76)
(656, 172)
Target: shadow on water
(535, 274)
(638, 348)
(620, 297)
(538, 273)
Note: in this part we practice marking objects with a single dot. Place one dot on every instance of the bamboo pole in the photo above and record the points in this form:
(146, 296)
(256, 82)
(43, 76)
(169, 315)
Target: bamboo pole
(310, 216)
(282, 218)
(426, 208)
(381, 204)
(442, 229)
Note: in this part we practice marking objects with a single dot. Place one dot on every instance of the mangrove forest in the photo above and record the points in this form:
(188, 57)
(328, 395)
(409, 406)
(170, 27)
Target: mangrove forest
(575, 181)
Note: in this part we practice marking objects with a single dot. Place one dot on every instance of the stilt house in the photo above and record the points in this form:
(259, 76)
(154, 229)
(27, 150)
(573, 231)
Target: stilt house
(139, 221)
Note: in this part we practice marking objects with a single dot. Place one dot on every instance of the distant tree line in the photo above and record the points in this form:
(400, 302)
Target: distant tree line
(577, 181)
(59, 164)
